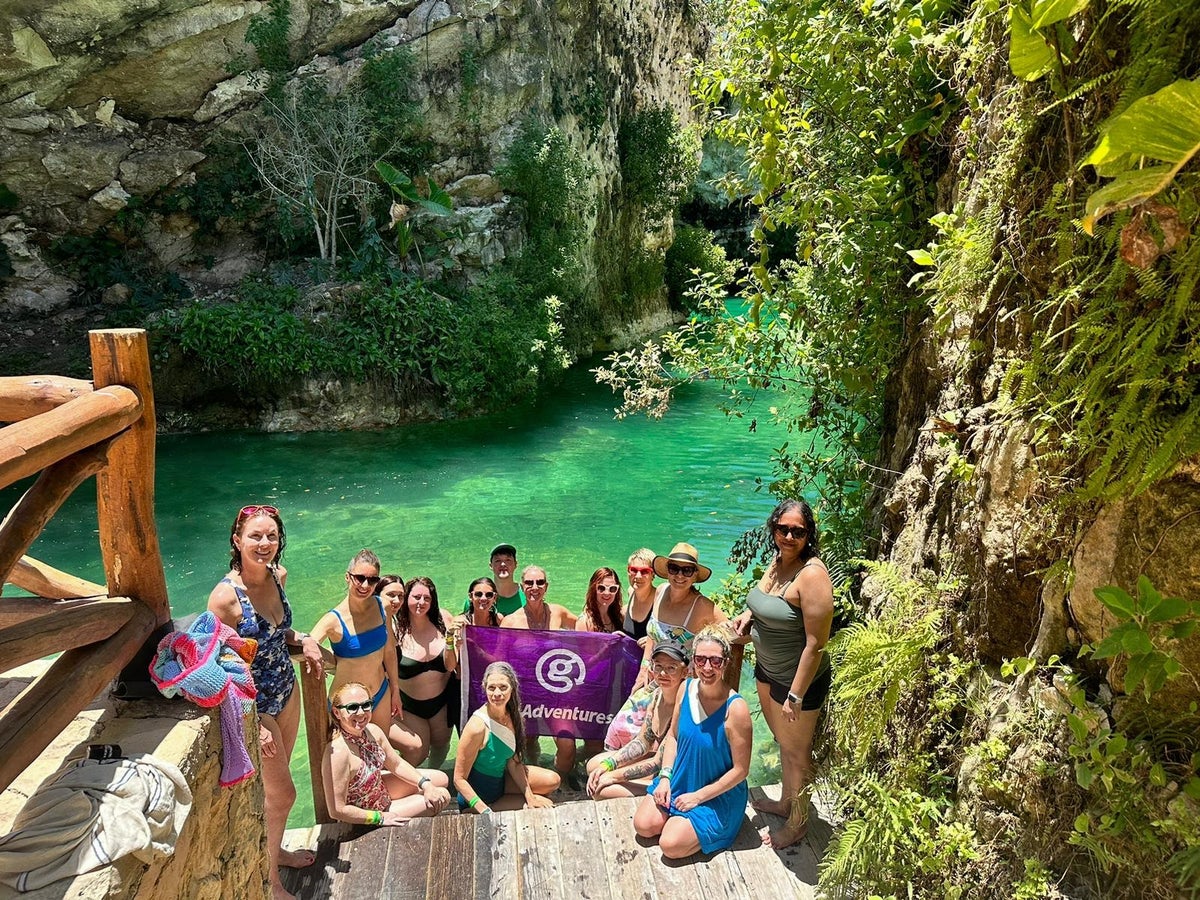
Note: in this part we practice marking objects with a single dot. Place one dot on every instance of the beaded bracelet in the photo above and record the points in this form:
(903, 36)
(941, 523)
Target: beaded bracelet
(610, 764)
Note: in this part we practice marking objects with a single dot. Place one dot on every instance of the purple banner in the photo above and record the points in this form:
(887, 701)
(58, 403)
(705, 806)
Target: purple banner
(572, 682)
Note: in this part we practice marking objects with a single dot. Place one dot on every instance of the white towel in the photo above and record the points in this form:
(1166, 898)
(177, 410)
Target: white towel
(92, 813)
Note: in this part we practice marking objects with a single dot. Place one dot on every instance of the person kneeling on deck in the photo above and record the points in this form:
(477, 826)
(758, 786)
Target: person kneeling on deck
(489, 771)
(366, 781)
(699, 798)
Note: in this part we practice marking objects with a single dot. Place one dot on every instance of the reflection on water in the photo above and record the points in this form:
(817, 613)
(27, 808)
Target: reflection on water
(569, 485)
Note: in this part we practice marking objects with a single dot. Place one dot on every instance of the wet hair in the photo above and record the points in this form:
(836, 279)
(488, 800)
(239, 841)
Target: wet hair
(239, 522)
(513, 707)
(404, 623)
(493, 616)
(336, 697)
(364, 556)
(812, 544)
(591, 602)
(716, 634)
(644, 555)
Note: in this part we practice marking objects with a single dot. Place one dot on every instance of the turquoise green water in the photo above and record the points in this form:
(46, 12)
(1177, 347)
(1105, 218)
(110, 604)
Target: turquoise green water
(569, 485)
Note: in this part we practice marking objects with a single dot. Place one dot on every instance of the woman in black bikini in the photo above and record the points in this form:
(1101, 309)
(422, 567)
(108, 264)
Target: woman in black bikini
(421, 645)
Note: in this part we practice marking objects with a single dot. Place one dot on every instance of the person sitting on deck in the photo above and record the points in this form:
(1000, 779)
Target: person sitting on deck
(697, 802)
(362, 638)
(627, 772)
(538, 615)
(366, 781)
(488, 770)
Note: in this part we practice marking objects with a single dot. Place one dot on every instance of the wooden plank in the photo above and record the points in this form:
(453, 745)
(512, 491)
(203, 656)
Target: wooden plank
(539, 861)
(15, 610)
(796, 864)
(73, 680)
(367, 865)
(627, 862)
(760, 867)
(39, 504)
(23, 396)
(452, 858)
(28, 447)
(75, 626)
(579, 843)
(505, 879)
(318, 879)
(46, 581)
(314, 699)
(672, 877)
(125, 488)
(407, 872)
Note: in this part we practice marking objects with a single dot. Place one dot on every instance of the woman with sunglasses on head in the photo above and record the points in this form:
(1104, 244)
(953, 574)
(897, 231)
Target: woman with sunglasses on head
(251, 599)
(366, 781)
(489, 771)
(602, 607)
(421, 628)
(626, 772)
(361, 636)
(641, 595)
(789, 615)
(697, 802)
(680, 610)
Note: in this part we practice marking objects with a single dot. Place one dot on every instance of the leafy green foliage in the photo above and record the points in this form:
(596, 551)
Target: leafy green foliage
(694, 252)
(659, 161)
(386, 81)
(425, 195)
(267, 33)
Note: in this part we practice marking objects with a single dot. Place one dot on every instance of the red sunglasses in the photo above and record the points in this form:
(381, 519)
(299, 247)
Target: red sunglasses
(255, 510)
(640, 570)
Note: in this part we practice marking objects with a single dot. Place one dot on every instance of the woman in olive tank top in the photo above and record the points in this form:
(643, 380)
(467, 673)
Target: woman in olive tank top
(789, 614)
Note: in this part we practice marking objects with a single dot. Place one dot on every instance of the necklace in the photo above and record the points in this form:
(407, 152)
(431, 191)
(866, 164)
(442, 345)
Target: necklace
(542, 622)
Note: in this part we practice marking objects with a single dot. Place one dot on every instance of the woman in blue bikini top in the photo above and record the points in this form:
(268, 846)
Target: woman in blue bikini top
(360, 635)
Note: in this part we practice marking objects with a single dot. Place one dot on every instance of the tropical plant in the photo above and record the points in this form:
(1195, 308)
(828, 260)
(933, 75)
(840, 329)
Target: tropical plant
(424, 194)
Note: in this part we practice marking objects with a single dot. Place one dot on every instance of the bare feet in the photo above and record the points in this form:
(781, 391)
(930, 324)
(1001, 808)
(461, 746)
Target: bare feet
(296, 859)
(772, 807)
(785, 836)
(279, 892)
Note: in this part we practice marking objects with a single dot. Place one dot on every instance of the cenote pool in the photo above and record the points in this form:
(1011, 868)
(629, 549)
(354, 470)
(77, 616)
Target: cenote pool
(571, 486)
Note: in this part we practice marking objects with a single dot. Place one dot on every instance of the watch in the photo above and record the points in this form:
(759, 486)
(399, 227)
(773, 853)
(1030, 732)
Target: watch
(424, 780)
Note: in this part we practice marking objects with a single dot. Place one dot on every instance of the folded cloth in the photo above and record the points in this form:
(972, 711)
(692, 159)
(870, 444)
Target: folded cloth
(91, 813)
(210, 665)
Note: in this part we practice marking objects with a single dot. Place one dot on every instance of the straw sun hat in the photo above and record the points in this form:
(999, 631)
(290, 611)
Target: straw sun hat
(684, 554)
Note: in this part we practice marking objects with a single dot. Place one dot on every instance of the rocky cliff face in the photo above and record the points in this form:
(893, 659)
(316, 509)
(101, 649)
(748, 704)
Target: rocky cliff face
(106, 104)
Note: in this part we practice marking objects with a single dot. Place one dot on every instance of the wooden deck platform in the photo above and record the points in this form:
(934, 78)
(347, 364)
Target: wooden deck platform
(579, 849)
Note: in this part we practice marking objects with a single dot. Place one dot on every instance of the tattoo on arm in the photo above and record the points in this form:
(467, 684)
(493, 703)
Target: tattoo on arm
(640, 769)
(634, 750)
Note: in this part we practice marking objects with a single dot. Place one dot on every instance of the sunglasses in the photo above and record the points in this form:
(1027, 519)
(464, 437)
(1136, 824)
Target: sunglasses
(534, 582)
(667, 670)
(483, 595)
(792, 531)
(363, 580)
(703, 662)
(607, 589)
(673, 569)
(255, 510)
(354, 708)
(640, 570)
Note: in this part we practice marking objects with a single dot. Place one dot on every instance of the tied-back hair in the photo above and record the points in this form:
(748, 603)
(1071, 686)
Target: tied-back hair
(493, 616)
(513, 707)
(591, 603)
(364, 556)
(812, 544)
(336, 697)
(716, 633)
(404, 623)
(239, 522)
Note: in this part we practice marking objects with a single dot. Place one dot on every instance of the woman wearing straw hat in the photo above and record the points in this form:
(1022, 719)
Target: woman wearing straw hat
(679, 611)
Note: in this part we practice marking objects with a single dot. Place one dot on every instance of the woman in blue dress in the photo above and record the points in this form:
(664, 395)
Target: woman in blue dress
(698, 801)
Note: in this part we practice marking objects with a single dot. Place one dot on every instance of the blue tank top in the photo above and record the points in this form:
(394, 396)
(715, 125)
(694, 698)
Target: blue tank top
(352, 646)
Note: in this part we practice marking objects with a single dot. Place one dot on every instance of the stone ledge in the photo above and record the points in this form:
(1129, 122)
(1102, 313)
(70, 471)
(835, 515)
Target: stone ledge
(221, 852)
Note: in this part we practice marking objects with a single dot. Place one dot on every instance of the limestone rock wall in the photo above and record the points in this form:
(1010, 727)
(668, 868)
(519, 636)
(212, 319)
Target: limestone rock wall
(106, 103)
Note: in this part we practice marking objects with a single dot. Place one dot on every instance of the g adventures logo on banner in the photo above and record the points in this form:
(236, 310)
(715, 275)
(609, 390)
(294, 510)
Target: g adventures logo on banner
(572, 682)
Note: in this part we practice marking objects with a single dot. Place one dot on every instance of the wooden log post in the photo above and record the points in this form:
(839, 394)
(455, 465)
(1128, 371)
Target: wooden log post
(315, 698)
(125, 488)
(73, 680)
(75, 625)
(46, 581)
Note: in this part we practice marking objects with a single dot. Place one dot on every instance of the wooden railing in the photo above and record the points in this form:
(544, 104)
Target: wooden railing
(69, 430)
